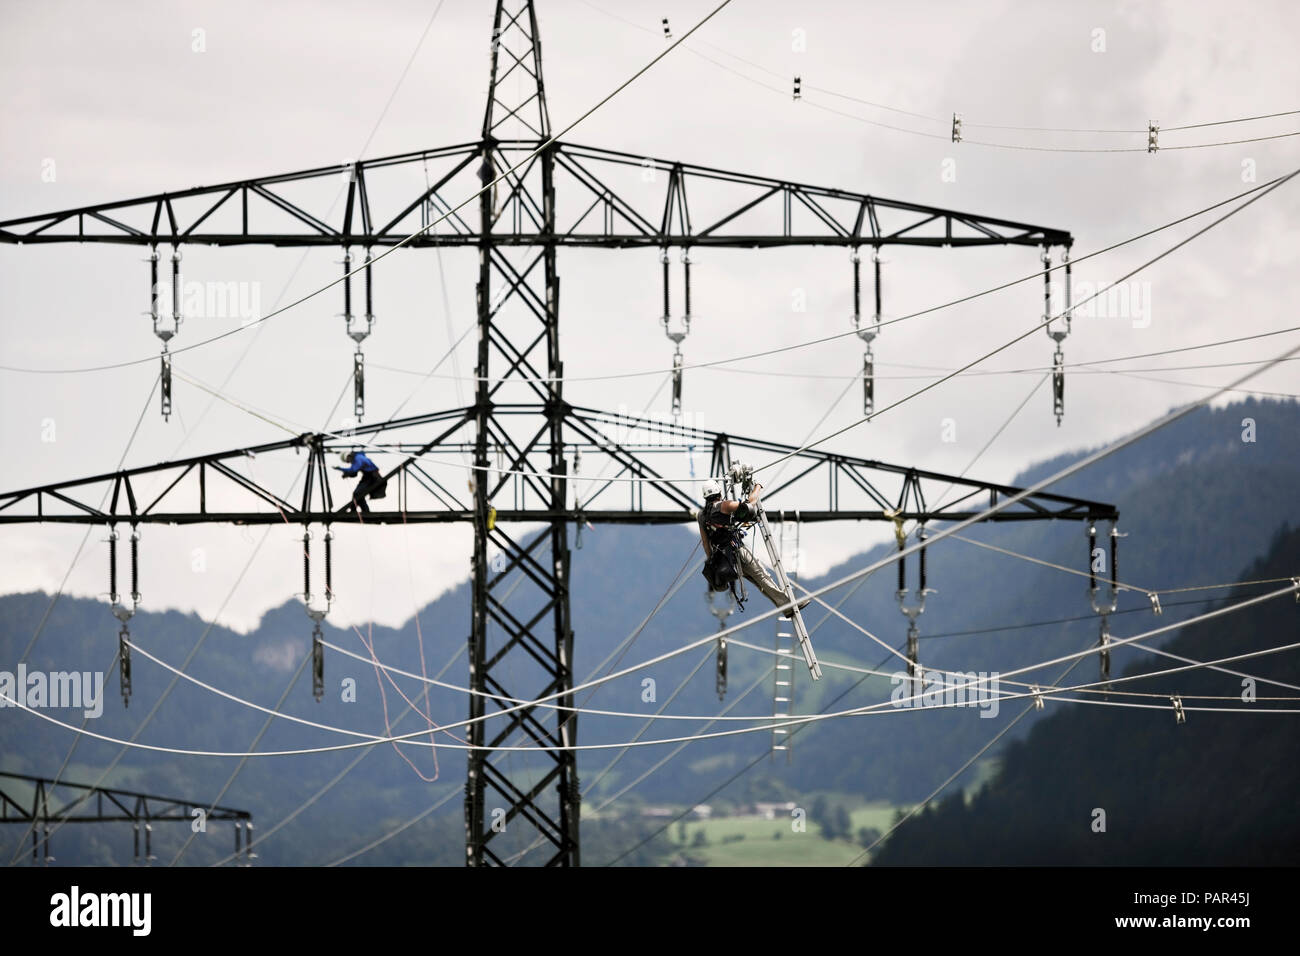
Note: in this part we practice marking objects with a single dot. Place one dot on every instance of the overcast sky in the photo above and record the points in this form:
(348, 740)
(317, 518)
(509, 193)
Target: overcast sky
(102, 102)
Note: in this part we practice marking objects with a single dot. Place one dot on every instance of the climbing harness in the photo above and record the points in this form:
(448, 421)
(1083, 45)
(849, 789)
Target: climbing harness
(722, 566)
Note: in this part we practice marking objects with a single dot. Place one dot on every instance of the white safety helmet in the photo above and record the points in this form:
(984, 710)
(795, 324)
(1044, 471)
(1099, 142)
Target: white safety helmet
(711, 489)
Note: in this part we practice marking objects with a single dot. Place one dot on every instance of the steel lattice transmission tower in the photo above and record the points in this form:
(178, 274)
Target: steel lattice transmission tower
(40, 803)
(524, 651)
(533, 283)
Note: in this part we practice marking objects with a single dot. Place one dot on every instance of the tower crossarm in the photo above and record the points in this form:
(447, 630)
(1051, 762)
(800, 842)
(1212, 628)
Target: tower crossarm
(633, 471)
(605, 198)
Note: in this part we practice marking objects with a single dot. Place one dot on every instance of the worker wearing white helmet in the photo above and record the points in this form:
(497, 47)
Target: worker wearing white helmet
(724, 547)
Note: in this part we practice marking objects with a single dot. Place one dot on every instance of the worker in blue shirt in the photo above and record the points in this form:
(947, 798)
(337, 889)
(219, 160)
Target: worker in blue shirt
(372, 483)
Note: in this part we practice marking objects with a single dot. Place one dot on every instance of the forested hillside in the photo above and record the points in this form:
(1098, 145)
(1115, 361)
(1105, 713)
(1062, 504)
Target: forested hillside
(1220, 789)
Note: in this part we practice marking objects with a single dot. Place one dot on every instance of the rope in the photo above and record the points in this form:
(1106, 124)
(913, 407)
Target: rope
(383, 696)
(521, 702)
(334, 781)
